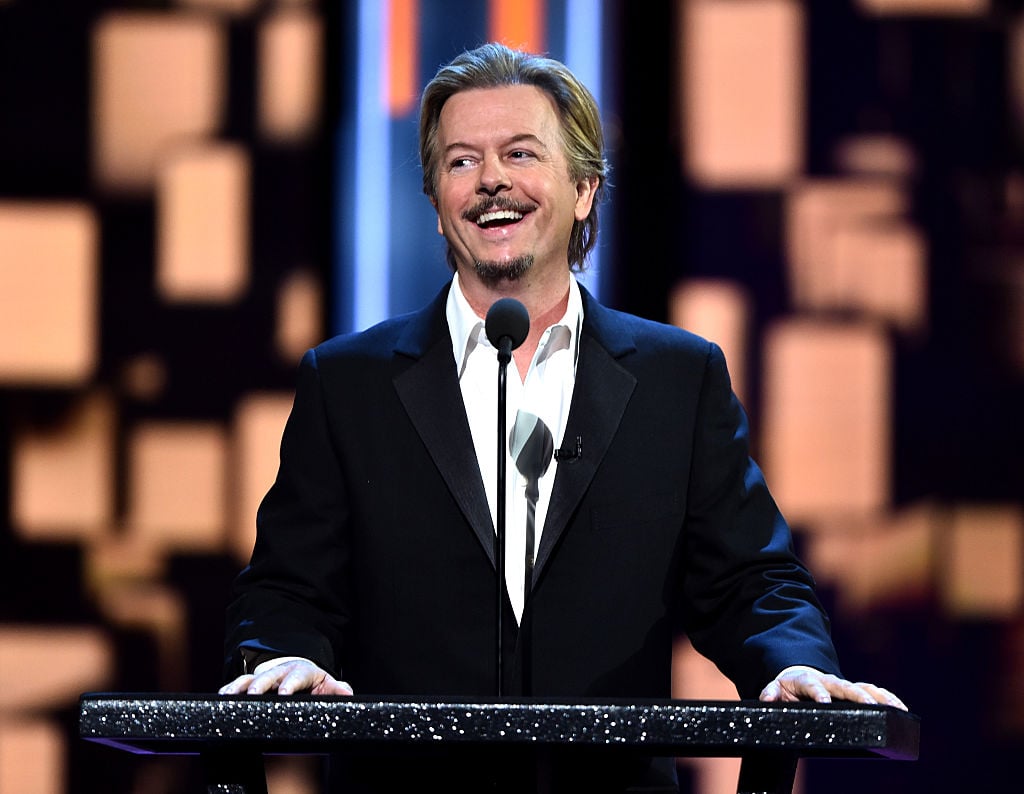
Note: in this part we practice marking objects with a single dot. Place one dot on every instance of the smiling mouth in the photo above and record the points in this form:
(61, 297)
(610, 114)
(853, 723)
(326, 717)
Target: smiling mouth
(494, 213)
(498, 218)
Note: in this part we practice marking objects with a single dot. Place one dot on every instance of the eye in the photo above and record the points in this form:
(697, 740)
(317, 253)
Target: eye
(520, 154)
(460, 163)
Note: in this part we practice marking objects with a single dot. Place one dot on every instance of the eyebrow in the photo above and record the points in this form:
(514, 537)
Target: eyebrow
(518, 138)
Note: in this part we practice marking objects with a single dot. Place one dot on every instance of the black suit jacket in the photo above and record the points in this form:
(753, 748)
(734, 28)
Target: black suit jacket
(374, 554)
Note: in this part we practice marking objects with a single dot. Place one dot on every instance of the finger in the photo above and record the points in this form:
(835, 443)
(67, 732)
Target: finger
(884, 696)
(240, 684)
(268, 680)
(299, 678)
(891, 700)
(847, 690)
(856, 693)
(771, 693)
(807, 686)
(816, 689)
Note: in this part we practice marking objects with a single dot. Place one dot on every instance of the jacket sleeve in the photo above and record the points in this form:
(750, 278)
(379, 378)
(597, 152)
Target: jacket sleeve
(292, 598)
(749, 603)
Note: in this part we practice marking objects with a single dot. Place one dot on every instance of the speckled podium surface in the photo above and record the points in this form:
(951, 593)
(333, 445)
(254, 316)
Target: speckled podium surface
(769, 737)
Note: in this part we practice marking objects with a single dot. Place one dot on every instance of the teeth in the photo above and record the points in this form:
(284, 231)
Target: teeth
(499, 215)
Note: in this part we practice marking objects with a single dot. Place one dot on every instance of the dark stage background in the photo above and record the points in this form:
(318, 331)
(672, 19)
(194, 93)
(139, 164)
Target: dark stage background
(192, 193)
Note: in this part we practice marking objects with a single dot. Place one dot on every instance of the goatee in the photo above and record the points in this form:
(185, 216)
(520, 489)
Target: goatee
(495, 273)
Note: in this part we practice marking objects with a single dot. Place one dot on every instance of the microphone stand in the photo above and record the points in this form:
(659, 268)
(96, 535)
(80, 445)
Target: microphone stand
(504, 357)
(507, 326)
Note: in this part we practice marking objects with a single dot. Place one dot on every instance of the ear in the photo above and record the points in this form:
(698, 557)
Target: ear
(586, 190)
(433, 203)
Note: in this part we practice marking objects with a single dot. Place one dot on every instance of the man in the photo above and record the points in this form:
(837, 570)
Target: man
(374, 556)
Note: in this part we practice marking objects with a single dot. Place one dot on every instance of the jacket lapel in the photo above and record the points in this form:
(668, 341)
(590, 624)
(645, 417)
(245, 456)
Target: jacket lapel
(602, 391)
(429, 390)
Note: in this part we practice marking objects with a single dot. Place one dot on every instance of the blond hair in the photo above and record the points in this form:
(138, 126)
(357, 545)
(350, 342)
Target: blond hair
(495, 65)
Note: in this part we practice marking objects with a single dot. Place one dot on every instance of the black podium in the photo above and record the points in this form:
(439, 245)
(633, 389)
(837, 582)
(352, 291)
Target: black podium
(232, 733)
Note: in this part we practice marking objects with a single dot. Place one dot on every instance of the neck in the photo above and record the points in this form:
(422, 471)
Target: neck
(545, 303)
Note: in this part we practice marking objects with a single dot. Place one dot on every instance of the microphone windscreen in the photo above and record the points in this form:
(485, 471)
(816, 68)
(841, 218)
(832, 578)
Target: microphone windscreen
(507, 317)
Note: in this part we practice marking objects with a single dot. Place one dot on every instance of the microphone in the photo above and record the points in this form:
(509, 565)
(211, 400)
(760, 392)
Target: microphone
(566, 453)
(507, 325)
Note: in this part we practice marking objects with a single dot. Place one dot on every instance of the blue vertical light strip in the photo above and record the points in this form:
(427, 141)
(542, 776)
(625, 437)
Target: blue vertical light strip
(371, 217)
(584, 55)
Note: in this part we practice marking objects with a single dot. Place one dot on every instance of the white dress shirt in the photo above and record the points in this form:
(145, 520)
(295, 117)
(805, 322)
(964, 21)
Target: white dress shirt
(546, 392)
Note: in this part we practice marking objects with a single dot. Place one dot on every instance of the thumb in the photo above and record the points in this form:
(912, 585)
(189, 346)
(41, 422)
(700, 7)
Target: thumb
(332, 686)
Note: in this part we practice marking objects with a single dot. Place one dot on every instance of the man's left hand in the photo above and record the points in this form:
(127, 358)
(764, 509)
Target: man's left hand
(806, 683)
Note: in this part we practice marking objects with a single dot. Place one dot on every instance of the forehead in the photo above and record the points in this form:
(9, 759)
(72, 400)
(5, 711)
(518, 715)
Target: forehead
(481, 114)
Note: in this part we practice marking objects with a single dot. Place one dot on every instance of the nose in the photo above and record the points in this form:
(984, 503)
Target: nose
(493, 177)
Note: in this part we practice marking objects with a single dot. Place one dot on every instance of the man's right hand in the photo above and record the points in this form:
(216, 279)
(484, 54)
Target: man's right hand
(288, 678)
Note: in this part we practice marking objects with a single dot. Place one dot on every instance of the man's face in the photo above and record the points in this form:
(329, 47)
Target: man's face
(504, 199)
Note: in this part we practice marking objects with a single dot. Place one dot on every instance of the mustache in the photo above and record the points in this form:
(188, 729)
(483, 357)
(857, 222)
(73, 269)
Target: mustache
(489, 204)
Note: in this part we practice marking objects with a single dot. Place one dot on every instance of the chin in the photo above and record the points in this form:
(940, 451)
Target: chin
(507, 270)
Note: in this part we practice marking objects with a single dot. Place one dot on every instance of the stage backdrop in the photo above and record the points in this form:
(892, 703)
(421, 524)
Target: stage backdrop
(833, 190)
(389, 257)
